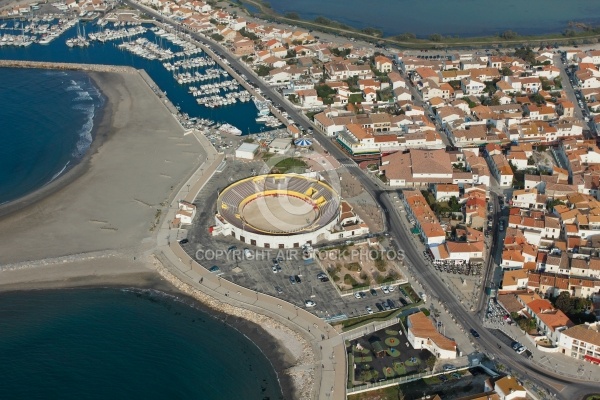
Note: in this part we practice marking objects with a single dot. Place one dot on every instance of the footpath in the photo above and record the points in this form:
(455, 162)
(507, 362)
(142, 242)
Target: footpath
(328, 347)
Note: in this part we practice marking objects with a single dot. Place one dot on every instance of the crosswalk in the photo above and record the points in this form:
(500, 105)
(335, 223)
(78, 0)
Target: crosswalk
(348, 164)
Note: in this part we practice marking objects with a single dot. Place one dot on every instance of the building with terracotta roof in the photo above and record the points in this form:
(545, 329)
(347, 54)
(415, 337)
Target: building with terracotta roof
(581, 342)
(417, 168)
(422, 334)
(550, 321)
(425, 220)
(501, 170)
(515, 280)
(507, 388)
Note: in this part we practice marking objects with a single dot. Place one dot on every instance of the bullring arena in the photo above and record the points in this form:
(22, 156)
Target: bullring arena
(278, 210)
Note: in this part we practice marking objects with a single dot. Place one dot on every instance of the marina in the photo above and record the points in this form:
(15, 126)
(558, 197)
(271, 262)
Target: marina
(204, 95)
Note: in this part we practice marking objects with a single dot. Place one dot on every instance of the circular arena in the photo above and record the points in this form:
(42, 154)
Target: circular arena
(278, 210)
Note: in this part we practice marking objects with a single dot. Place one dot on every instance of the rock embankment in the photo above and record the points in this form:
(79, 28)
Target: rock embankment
(65, 66)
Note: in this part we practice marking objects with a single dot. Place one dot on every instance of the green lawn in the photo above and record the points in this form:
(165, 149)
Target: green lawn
(399, 368)
(290, 165)
(387, 393)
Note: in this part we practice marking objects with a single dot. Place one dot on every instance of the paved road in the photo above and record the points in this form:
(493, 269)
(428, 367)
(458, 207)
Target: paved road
(564, 389)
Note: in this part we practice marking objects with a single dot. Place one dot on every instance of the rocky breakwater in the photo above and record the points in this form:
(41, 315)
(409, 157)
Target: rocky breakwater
(66, 66)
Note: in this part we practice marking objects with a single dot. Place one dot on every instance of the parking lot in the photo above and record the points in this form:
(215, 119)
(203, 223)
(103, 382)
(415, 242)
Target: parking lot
(254, 269)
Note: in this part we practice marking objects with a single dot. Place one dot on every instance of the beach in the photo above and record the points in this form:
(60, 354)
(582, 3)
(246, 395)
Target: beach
(96, 225)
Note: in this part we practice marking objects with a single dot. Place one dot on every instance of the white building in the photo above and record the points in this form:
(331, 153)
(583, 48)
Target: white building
(423, 335)
(581, 342)
(280, 146)
(507, 388)
(246, 151)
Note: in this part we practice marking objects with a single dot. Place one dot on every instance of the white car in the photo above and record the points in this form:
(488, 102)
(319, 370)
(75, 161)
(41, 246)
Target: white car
(521, 350)
(309, 303)
(391, 288)
(369, 310)
(357, 295)
(385, 289)
(274, 269)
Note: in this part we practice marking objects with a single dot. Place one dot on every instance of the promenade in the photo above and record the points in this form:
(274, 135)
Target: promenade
(328, 362)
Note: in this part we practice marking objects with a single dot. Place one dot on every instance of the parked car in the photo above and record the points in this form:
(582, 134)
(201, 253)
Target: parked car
(369, 310)
(183, 241)
(449, 367)
(521, 350)
(373, 292)
(391, 304)
(403, 301)
(274, 269)
(385, 289)
(357, 295)
(297, 279)
(475, 333)
(215, 269)
(391, 288)
(515, 345)
(309, 303)
(278, 290)
(386, 306)
(292, 280)
(379, 306)
(247, 253)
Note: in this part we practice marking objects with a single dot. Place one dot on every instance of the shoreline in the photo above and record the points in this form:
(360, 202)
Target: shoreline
(266, 12)
(140, 276)
(102, 121)
(94, 226)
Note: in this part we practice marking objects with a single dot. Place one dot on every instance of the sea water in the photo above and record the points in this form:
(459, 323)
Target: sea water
(124, 344)
(46, 121)
(241, 115)
(465, 18)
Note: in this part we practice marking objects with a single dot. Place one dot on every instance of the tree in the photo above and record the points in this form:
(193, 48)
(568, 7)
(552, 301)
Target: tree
(325, 92)
(436, 37)
(495, 101)
(505, 71)
(263, 70)
(430, 362)
(323, 21)
(216, 37)
(292, 15)
(564, 302)
(508, 35)
(406, 36)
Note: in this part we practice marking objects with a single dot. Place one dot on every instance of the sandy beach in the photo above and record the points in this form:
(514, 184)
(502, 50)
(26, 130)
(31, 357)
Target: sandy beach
(96, 225)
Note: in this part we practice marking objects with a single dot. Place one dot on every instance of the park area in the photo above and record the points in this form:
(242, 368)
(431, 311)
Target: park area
(359, 266)
(383, 355)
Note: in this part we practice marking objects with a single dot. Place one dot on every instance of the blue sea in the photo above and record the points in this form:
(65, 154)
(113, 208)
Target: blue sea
(105, 343)
(124, 344)
(465, 18)
(47, 119)
(36, 150)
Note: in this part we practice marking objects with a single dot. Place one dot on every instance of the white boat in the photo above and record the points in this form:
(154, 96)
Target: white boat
(261, 106)
(230, 129)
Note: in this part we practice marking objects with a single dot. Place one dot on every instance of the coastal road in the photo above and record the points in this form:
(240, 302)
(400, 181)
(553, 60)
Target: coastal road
(555, 384)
